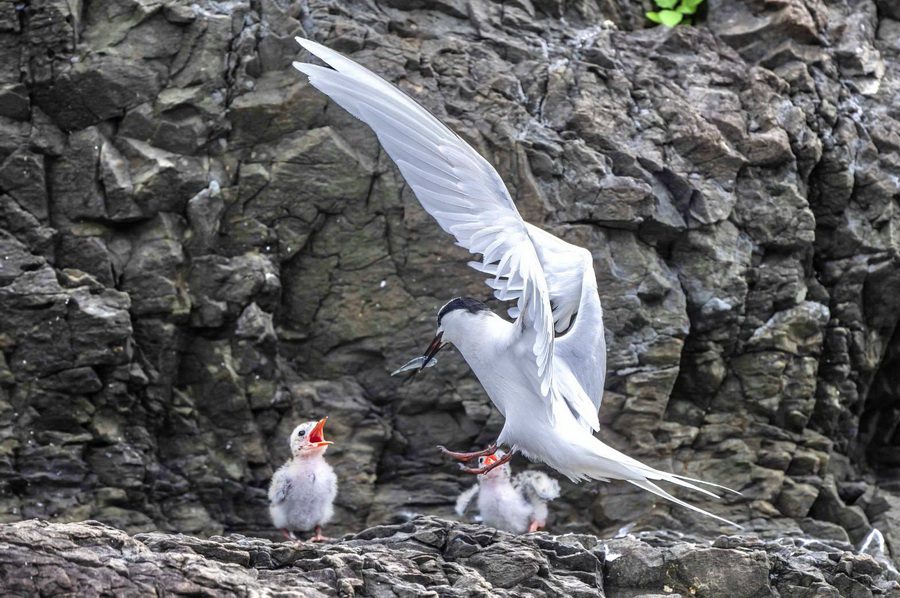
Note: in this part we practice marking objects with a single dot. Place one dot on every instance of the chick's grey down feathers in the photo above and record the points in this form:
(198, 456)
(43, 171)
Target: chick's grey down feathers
(302, 495)
(510, 503)
(534, 486)
(302, 491)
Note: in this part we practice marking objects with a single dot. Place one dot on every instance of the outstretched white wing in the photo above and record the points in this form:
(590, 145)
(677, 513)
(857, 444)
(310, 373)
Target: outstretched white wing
(454, 184)
(467, 197)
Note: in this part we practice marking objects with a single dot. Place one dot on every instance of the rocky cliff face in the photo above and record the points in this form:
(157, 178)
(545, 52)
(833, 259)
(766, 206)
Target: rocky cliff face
(199, 251)
(429, 557)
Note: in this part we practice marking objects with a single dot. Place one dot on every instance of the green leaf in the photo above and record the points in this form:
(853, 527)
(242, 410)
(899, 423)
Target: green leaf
(692, 3)
(686, 10)
(666, 3)
(670, 18)
(653, 16)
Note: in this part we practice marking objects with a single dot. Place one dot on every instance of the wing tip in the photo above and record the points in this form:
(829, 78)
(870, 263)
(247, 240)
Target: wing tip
(308, 44)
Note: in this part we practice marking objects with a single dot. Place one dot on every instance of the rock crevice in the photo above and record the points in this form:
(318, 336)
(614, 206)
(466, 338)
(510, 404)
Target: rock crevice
(199, 251)
(430, 557)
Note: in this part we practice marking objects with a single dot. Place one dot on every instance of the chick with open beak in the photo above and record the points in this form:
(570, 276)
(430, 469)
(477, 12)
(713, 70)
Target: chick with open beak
(516, 504)
(302, 492)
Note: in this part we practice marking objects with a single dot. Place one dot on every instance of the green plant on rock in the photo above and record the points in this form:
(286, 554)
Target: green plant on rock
(673, 12)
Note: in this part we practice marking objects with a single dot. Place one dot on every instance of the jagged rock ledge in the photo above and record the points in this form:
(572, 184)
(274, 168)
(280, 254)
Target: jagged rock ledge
(429, 557)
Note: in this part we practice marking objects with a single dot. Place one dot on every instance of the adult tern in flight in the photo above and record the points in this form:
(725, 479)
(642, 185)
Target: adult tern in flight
(544, 371)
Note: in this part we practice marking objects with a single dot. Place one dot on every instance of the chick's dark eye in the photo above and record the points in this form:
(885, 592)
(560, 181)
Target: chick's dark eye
(301, 433)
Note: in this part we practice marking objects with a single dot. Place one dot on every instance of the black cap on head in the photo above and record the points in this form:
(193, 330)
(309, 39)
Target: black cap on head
(473, 306)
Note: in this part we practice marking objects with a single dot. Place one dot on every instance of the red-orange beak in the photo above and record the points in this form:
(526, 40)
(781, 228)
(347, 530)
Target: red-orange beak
(490, 460)
(317, 434)
(432, 350)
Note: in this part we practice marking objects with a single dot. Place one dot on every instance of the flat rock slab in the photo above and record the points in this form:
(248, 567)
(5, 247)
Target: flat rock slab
(427, 557)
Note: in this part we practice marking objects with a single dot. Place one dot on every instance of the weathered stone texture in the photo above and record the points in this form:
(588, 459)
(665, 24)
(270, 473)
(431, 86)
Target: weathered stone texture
(430, 557)
(199, 251)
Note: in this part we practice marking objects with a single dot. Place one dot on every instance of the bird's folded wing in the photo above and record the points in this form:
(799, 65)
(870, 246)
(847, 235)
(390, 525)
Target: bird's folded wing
(280, 488)
(454, 184)
(579, 359)
(463, 500)
(538, 483)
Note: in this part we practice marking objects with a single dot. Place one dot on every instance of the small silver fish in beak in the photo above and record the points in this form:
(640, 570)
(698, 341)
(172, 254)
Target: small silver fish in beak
(417, 363)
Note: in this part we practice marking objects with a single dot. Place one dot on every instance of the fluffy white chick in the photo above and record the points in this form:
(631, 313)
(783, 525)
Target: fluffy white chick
(302, 492)
(514, 504)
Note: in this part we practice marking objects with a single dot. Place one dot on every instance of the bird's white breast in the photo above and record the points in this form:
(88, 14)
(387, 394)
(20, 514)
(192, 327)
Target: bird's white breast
(497, 352)
(311, 489)
(503, 507)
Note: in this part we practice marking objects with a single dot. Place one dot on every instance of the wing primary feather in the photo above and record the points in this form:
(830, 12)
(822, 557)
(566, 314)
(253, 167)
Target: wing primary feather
(457, 186)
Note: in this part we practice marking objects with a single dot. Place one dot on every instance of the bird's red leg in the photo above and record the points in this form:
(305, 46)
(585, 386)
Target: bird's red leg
(318, 537)
(534, 526)
(490, 450)
(476, 470)
(288, 534)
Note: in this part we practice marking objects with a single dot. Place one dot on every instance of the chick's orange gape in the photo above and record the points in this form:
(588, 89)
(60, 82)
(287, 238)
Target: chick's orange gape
(317, 434)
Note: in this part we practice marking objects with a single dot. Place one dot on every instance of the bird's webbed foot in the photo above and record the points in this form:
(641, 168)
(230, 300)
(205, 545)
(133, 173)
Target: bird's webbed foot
(535, 526)
(479, 470)
(318, 537)
(289, 535)
(464, 457)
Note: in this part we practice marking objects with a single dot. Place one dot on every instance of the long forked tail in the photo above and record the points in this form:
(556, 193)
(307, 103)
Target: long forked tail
(651, 487)
(617, 465)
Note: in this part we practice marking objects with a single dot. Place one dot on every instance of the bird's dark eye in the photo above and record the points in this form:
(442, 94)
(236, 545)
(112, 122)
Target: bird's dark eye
(301, 433)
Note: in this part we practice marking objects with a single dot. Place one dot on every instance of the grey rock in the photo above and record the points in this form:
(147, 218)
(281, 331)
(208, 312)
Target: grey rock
(98, 88)
(255, 324)
(22, 177)
(150, 275)
(25, 227)
(15, 135)
(75, 191)
(199, 250)
(222, 287)
(796, 498)
(88, 253)
(421, 558)
(14, 101)
(204, 212)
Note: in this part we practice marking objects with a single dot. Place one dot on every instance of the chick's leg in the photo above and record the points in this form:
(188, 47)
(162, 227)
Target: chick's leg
(318, 537)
